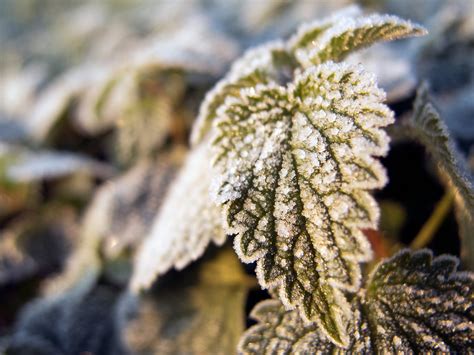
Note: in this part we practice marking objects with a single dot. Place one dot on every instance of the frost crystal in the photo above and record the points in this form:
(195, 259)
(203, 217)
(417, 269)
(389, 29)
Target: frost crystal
(184, 226)
(295, 137)
(412, 304)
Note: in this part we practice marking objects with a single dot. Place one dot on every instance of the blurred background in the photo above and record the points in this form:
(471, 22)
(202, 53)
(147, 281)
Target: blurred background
(97, 99)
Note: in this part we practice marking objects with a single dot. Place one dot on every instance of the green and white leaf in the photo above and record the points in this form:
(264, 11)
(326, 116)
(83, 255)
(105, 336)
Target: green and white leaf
(427, 127)
(342, 34)
(187, 222)
(413, 303)
(254, 67)
(294, 165)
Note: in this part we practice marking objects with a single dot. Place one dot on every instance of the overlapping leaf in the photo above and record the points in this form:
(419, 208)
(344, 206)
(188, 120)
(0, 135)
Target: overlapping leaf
(186, 224)
(412, 304)
(427, 127)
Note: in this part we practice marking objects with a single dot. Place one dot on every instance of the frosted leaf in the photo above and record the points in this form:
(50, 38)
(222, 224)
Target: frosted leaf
(200, 310)
(413, 304)
(427, 127)
(339, 36)
(255, 67)
(293, 166)
(187, 222)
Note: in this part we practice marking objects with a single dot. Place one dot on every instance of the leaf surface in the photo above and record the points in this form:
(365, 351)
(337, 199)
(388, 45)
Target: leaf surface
(294, 165)
(413, 303)
(427, 127)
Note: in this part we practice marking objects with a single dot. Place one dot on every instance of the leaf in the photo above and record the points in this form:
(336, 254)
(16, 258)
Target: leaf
(35, 244)
(294, 165)
(413, 303)
(427, 127)
(25, 166)
(337, 37)
(79, 321)
(254, 67)
(187, 222)
(123, 210)
(199, 310)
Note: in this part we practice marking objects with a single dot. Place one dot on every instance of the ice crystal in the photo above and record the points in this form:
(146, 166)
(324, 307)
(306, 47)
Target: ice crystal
(427, 127)
(412, 304)
(186, 224)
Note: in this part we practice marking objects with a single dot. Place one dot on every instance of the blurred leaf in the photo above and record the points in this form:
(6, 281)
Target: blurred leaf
(36, 244)
(185, 225)
(344, 33)
(198, 311)
(27, 166)
(117, 220)
(80, 321)
(412, 303)
(426, 126)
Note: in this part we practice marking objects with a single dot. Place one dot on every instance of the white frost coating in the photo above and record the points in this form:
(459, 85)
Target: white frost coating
(187, 222)
(355, 32)
(412, 304)
(293, 165)
(254, 65)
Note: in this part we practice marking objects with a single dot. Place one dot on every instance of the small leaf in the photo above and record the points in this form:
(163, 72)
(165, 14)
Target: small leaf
(199, 310)
(255, 67)
(413, 304)
(294, 165)
(427, 127)
(341, 35)
(187, 222)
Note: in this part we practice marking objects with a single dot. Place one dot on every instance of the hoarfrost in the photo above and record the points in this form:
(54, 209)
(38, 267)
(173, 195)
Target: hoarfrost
(394, 314)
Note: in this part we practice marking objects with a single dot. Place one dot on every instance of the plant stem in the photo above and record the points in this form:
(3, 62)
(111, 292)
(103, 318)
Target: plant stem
(427, 232)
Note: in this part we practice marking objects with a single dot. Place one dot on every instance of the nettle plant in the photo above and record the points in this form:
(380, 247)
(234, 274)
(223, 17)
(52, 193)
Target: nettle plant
(284, 158)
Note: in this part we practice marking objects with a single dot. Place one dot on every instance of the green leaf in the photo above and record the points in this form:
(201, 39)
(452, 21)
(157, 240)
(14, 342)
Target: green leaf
(412, 304)
(293, 168)
(339, 36)
(255, 67)
(427, 127)
(186, 223)
(199, 310)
